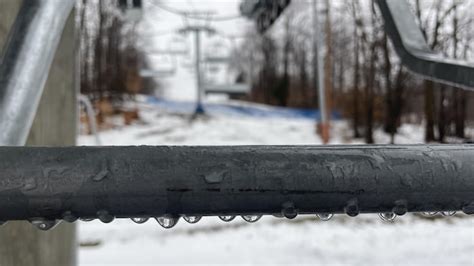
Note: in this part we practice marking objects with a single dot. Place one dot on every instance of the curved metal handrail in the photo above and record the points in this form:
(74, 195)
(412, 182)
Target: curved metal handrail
(25, 64)
(414, 52)
(84, 100)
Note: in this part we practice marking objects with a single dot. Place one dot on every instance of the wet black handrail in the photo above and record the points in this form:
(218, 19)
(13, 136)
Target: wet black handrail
(60, 183)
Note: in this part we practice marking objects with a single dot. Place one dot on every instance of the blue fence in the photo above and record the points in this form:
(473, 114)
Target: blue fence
(240, 109)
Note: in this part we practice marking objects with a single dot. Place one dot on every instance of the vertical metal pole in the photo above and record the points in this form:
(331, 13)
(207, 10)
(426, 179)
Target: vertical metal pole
(318, 64)
(199, 107)
(38, 100)
(25, 64)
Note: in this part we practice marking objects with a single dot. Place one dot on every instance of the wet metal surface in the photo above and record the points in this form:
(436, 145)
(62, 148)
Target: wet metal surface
(128, 182)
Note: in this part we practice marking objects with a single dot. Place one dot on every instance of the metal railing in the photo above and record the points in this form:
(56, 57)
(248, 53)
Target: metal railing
(44, 185)
(141, 182)
(414, 51)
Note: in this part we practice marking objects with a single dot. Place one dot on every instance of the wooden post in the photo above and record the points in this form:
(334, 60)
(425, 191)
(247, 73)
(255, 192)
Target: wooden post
(54, 125)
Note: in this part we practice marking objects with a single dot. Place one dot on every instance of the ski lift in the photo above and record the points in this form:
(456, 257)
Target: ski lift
(187, 63)
(213, 69)
(178, 46)
(132, 9)
(214, 63)
(217, 54)
(157, 73)
(218, 45)
(163, 72)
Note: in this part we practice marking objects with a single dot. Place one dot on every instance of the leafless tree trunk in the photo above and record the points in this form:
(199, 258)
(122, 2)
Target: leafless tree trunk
(328, 64)
(442, 119)
(355, 95)
(371, 59)
(440, 17)
(283, 86)
(459, 105)
(390, 119)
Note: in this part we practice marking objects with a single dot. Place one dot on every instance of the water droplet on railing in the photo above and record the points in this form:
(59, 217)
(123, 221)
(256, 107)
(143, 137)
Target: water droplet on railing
(387, 216)
(400, 208)
(429, 214)
(325, 216)
(69, 217)
(468, 209)
(167, 222)
(30, 184)
(227, 218)
(105, 217)
(251, 218)
(44, 225)
(192, 219)
(289, 211)
(352, 208)
(87, 219)
(140, 220)
(448, 213)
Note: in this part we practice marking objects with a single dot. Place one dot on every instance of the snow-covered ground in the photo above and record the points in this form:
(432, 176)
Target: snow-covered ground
(365, 240)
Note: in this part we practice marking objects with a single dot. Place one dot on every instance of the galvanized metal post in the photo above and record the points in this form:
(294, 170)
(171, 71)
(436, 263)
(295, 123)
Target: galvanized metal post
(25, 65)
(24, 72)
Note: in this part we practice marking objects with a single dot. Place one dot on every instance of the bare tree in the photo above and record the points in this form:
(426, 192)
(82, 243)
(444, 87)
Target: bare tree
(356, 79)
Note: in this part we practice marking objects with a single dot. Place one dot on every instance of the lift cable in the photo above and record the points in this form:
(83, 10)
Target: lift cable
(197, 17)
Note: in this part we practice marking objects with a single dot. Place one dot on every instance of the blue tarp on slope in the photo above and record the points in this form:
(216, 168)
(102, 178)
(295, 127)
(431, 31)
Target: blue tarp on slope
(240, 109)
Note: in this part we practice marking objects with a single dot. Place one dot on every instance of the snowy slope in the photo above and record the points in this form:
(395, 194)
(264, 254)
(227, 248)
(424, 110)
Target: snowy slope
(343, 241)
(364, 240)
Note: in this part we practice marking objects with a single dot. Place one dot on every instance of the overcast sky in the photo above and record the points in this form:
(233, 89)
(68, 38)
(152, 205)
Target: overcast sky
(158, 23)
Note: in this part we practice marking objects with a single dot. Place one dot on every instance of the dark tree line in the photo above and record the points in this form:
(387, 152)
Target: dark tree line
(110, 61)
(364, 77)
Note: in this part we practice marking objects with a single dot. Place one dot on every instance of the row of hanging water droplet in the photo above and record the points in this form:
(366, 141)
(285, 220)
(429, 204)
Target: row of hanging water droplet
(169, 222)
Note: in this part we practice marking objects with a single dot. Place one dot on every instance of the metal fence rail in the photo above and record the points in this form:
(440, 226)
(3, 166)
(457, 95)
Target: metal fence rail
(44, 185)
(107, 182)
(414, 51)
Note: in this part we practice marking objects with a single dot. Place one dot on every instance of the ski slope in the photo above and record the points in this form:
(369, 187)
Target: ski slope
(365, 240)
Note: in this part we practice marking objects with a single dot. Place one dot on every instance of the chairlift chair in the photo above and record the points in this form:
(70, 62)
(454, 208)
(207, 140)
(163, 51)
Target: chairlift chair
(178, 46)
(232, 90)
(161, 73)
